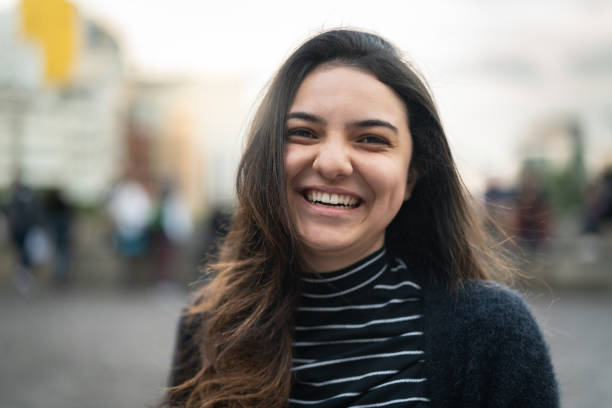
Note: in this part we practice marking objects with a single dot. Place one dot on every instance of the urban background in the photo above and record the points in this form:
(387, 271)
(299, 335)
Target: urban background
(121, 125)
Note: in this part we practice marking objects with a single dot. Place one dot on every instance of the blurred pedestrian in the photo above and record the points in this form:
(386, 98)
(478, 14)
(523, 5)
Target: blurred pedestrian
(170, 230)
(500, 211)
(215, 229)
(131, 211)
(599, 204)
(23, 211)
(595, 241)
(59, 216)
(533, 211)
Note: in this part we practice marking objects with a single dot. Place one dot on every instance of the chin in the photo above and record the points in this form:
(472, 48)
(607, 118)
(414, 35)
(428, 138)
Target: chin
(326, 245)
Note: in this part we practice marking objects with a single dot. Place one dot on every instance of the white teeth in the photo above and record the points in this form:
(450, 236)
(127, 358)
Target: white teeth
(331, 199)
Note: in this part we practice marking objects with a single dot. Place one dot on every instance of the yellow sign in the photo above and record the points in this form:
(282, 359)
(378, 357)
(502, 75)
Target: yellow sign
(53, 24)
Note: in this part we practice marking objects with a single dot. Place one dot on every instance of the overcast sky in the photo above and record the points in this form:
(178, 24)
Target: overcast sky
(494, 65)
(195, 35)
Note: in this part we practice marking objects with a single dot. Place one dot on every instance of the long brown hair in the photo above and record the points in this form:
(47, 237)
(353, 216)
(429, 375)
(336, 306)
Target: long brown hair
(243, 351)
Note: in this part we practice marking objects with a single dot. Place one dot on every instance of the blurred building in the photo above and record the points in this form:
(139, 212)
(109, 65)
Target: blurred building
(61, 99)
(162, 146)
(186, 131)
(71, 116)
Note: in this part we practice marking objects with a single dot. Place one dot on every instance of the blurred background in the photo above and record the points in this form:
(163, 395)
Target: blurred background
(122, 122)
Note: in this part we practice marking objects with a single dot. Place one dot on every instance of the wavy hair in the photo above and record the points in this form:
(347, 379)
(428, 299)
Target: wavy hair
(242, 347)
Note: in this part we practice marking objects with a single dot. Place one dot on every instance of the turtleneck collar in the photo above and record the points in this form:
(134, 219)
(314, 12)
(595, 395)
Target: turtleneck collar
(344, 282)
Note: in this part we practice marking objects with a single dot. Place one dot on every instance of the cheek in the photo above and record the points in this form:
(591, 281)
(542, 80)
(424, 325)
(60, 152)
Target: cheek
(388, 183)
(295, 160)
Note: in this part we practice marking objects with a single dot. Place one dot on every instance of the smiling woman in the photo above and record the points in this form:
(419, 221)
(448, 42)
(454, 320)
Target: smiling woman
(354, 273)
(348, 142)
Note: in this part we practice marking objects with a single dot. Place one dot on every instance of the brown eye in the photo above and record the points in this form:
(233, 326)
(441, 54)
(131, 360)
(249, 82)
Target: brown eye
(301, 132)
(371, 139)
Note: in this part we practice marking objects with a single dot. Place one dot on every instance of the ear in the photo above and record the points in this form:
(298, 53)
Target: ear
(413, 176)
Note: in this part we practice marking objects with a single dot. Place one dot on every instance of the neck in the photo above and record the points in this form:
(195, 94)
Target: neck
(322, 261)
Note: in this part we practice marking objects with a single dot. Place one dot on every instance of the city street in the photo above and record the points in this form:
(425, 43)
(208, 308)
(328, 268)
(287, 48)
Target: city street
(95, 349)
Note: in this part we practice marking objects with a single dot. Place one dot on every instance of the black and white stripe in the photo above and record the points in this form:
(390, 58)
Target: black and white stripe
(359, 338)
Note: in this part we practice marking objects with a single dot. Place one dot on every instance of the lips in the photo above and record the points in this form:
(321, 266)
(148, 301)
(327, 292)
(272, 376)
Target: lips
(328, 199)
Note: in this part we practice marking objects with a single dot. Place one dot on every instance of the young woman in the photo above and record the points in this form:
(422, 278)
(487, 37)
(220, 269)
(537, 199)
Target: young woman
(354, 273)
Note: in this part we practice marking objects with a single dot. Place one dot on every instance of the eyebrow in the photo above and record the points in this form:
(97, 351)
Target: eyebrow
(305, 116)
(357, 124)
(373, 123)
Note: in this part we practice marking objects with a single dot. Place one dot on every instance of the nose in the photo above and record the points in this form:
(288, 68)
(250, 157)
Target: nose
(333, 159)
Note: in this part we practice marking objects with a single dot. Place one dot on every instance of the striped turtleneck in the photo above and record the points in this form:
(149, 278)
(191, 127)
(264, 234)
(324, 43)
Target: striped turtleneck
(359, 338)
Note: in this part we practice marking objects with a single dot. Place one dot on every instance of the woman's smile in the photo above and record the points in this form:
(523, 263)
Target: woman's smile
(347, 162)
(330, 199)
(336, 204)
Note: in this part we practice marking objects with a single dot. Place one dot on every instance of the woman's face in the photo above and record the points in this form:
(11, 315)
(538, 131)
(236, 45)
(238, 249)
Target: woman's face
(347, 160)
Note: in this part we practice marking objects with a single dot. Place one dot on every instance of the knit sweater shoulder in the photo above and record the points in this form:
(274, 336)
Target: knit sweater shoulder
(483, 349)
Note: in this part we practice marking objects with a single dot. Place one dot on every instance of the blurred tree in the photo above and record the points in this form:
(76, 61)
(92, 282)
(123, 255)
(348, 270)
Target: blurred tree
(567, 184)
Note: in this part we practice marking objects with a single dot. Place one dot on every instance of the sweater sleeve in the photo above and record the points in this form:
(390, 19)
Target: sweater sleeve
(499, 358)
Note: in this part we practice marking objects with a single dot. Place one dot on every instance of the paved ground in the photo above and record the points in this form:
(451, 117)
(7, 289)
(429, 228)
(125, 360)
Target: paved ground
(112, 349)
(85, 350)
(578, 327)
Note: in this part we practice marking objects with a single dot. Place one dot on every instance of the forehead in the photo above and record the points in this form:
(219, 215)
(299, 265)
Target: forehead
(330, 88)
